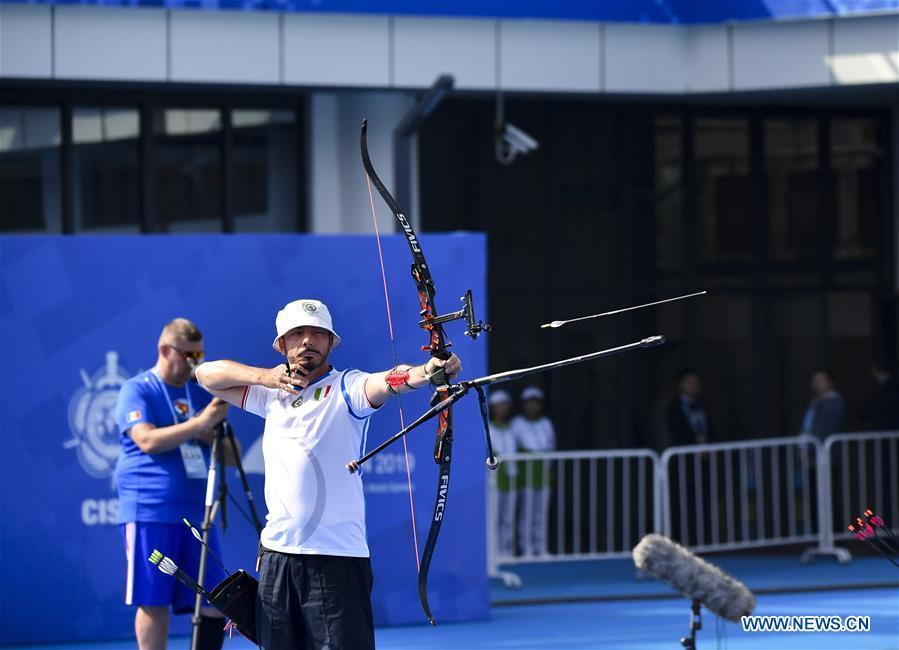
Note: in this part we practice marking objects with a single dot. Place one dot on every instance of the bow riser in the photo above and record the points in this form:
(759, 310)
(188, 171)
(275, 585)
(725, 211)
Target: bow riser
(426, 292)
(444, 428)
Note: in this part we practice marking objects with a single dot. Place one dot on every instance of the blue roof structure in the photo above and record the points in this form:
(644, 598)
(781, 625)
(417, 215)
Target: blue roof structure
(686, 12)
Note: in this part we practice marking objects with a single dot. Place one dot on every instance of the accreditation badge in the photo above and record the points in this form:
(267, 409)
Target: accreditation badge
(194, 463)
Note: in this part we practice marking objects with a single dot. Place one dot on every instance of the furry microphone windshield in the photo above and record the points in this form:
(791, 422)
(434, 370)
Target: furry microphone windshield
(693, 577)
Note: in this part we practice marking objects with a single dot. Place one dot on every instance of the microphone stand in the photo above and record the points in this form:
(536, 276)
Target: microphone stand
(695, 625)
(215, 502)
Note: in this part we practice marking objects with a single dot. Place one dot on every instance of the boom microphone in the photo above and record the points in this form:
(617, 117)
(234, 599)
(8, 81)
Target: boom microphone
(693, 577)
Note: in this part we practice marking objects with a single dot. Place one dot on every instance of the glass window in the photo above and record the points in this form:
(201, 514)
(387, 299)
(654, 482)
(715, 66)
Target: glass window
(188, 169)
(723, 190)
(656, 373)
(852, 344)
(794, 338)
(724, 353)
(855, 158)
(30, 177)
(668, 194)
(580, 170)
(796, 221)
(811, 331)
(106, 151)
(265, 176)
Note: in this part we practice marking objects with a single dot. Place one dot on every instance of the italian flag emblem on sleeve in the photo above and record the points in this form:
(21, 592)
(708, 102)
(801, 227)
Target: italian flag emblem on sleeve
(321, 392)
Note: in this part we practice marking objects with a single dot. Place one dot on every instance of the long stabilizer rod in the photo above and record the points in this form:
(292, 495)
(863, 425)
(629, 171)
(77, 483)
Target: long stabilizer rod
(458, 391)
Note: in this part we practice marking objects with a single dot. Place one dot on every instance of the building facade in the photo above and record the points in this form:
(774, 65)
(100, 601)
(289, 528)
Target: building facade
(750, 154)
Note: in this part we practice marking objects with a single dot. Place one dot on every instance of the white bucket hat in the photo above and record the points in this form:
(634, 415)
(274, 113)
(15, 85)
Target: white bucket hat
(532, 392)
(300, 313)
(499, 397)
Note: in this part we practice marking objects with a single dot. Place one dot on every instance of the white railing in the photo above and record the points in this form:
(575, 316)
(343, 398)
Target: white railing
(579, 505)
(570, 505)
(864, 471)
(737, 495)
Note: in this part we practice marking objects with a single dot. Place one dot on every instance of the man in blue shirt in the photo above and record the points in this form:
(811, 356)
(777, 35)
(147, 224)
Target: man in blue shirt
(166, 424)
(826, 412)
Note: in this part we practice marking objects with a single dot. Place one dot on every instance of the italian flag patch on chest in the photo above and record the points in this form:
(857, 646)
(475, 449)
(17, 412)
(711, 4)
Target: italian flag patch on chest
(322, 392)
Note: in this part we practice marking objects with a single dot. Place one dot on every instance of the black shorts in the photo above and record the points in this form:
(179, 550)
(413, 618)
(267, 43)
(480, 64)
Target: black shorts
(314, 602)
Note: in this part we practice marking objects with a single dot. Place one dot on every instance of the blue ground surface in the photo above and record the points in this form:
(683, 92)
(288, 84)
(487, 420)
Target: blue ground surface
(642, 625)
(650, 623)
(615, 578)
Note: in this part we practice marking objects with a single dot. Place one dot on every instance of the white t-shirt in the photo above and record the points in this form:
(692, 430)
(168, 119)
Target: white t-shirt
(505, 442)
(315, 506)
(534, 435)
(503, 439)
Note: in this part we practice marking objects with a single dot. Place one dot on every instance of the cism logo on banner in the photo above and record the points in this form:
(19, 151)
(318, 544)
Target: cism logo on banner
(95, 436)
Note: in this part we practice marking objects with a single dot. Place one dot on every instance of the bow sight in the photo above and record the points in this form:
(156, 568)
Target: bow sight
(475, 327)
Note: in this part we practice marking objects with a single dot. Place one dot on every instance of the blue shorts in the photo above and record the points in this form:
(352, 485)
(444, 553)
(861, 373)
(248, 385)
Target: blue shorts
(146, 585)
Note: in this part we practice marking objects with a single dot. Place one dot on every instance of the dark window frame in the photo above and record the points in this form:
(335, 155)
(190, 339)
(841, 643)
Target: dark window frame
(760, 273)
(147, 98)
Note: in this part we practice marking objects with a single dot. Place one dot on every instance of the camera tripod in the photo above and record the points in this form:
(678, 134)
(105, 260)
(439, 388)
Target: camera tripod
(216, 495)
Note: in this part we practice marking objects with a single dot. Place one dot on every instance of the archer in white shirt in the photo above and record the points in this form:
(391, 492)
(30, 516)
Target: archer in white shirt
(315, 575)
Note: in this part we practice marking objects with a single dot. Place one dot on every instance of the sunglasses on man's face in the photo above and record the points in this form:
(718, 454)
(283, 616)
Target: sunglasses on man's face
(187, 355)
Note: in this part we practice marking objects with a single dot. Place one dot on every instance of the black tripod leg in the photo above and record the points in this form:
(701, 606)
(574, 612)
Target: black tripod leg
(243, 479)
(208, 517)
(223, 479)
(211, 635)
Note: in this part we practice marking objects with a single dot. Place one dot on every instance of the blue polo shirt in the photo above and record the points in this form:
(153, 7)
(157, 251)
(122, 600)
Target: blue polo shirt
(155, 487)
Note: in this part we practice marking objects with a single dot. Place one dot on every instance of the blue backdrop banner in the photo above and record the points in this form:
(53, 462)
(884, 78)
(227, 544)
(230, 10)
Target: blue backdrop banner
(79, 315)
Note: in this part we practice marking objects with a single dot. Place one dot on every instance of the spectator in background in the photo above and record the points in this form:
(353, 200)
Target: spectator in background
(534, 433)
(883, 410)
(504, 442)
(688, 422)
(826, 412)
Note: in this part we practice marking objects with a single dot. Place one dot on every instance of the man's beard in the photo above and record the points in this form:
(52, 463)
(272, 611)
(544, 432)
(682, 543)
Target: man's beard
(311, 363)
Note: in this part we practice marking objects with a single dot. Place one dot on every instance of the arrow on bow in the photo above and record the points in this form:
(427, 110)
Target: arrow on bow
(560, 323)
(438, 344)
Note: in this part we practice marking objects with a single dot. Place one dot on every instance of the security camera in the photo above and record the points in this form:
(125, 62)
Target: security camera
(511, 142)
(518, 140)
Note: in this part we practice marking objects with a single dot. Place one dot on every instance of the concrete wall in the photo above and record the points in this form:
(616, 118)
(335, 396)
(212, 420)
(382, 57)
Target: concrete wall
(332, 50)
(339, 199)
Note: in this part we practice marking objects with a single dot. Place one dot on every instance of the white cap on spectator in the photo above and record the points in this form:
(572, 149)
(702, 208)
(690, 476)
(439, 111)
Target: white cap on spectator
(532, 392)
(300, 313)
(499, 397)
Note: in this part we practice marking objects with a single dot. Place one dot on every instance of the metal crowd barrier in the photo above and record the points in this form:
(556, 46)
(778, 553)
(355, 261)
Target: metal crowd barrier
(713, 497)
(570, 505)
(863, 472)
(737, 495)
